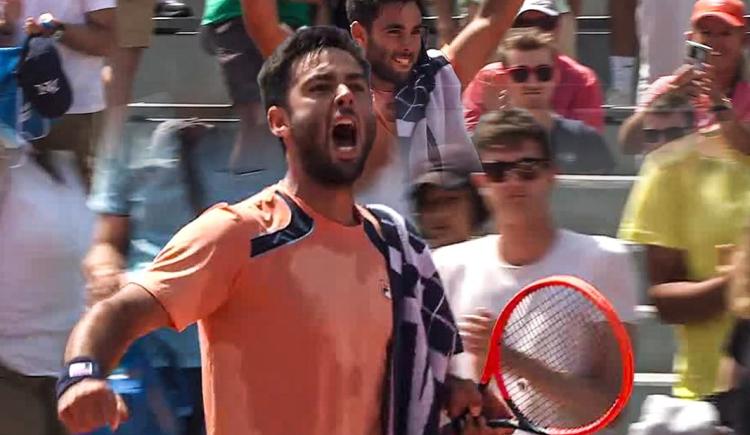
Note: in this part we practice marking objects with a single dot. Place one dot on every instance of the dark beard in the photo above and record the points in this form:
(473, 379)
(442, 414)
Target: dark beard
(378, 58)
(317, 163)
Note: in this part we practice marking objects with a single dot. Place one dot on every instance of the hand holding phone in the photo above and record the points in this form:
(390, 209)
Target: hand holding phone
(698, 55)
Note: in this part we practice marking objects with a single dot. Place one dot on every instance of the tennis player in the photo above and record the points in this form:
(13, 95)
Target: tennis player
(304, 327)
(482, 275)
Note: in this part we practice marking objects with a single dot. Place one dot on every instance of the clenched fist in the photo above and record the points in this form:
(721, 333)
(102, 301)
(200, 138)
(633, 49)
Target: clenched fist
(89, 405)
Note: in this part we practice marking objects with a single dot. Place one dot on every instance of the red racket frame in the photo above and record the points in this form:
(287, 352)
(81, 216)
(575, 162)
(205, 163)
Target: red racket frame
(494, 356)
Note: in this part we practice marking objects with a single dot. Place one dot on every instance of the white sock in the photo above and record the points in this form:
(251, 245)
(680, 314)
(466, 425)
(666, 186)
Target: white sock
(623, 72)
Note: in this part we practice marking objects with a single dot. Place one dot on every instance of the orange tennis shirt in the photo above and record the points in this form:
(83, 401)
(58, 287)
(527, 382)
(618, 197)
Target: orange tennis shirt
(294, 314)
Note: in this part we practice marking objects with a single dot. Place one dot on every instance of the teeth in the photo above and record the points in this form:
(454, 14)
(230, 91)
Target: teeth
(345, 121)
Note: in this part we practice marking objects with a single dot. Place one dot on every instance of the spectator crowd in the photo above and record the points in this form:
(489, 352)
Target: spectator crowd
(224, 277)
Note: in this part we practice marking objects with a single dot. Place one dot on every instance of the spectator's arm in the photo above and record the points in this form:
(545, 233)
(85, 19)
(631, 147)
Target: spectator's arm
(262, 23)
(108, 328)
(678, 300)
(630, 136)
(471, 48)
(95, 37)
(104, 263)
(446, 27)
(481, 95)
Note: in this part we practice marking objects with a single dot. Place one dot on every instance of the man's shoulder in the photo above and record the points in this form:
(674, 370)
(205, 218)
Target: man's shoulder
(441, 66)
(593, 244)
(575, 71)
(264, 212)
(464, 252)
(671, 157)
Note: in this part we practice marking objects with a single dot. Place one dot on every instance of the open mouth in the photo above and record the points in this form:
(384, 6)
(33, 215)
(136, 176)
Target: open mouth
(344, 136)
(403, 61)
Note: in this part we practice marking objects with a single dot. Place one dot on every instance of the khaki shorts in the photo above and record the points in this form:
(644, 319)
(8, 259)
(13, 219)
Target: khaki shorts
(80, 133)
(134, 23)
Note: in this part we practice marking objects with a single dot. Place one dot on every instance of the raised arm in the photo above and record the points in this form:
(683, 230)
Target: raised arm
(262, 23)
(474, 45)
(94, 37)
(446, 27)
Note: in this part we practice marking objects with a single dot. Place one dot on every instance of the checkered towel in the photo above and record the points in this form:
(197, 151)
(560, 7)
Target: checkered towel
(429, 112)
(425, 336)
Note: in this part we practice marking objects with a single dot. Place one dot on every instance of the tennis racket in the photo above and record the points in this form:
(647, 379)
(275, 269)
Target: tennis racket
(561, 359)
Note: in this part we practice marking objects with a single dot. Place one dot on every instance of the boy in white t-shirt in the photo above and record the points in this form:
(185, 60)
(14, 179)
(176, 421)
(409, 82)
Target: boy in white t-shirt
(481, 275)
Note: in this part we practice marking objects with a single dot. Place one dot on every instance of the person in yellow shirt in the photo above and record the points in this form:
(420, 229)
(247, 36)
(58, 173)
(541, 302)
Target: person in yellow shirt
(693, 196)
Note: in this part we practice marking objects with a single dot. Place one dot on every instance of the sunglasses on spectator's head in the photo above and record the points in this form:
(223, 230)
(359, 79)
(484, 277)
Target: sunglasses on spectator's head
(546, 23)
(653, 135)
(521, 73)
(526, 169)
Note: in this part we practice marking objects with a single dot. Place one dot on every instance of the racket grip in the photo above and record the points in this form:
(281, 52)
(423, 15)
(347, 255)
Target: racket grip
(501, 423)
(458, 424)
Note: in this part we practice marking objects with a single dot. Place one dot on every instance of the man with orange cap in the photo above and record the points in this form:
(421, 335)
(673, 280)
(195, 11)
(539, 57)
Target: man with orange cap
(720, 88)
(691, 200)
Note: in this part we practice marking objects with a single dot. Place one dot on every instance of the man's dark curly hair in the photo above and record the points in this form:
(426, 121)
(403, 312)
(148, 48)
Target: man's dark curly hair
(276, 74)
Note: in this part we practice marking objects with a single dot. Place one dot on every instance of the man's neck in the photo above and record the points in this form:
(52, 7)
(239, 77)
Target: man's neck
(525, 243)
(335, 203)
(380, 85)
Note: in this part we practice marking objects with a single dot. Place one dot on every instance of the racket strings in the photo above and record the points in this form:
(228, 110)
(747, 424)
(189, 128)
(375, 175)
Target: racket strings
(565, 333)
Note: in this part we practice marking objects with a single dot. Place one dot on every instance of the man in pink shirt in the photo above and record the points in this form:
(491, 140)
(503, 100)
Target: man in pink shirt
(577, 94)
(719, 89)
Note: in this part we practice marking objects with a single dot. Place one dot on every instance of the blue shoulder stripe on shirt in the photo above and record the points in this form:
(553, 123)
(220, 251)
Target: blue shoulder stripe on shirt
(300, 225)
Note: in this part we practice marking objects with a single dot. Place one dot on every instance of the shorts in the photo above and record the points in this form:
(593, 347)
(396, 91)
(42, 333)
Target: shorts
(134, 23)
(79, 133)
(238, 57)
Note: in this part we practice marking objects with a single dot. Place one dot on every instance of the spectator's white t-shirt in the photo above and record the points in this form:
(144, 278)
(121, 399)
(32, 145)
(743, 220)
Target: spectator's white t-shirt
(475, 276)
(84, 72)
(45, 230)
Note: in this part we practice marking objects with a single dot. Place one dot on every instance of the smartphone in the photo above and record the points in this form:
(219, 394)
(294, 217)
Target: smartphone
(697, 54)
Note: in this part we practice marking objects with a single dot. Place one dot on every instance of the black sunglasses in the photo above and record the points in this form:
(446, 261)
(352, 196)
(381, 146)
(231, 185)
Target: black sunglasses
(521, 73)
(527, 169)
(546, 23)
(653, 135)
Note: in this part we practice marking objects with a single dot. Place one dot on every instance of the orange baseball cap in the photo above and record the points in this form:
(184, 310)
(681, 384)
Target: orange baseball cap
(731, 11)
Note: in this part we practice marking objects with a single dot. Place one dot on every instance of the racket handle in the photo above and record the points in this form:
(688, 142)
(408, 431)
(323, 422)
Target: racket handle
(501, 423)
(508, 424)
(458, 424)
